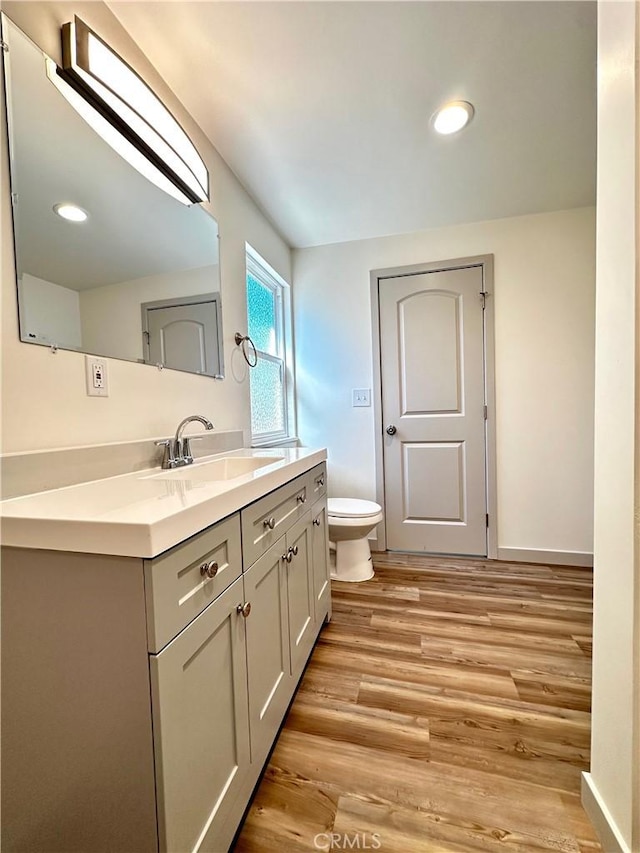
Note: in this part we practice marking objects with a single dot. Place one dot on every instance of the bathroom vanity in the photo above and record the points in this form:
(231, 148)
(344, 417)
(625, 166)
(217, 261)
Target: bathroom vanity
(155, 626)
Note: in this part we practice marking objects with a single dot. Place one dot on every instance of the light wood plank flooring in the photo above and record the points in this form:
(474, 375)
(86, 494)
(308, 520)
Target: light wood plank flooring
(445, 708)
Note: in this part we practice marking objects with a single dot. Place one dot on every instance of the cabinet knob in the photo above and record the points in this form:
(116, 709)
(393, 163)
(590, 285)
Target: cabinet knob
(316, 521)
(302, 499)
(286, 558)
(269, 522)
(293, 550)
(209, 570)
(244, 609)
(320, 481)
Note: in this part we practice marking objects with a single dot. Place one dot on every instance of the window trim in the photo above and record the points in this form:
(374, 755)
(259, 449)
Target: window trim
(257, 267)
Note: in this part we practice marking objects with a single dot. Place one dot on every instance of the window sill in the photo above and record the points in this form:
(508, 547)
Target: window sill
(285, 441)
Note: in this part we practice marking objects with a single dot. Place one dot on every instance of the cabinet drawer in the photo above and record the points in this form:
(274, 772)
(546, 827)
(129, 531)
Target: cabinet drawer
(177, 587)
(317, 482)
(266, 520)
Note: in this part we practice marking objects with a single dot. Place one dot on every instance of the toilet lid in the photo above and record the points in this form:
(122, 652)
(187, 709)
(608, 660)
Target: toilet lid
(352, 508)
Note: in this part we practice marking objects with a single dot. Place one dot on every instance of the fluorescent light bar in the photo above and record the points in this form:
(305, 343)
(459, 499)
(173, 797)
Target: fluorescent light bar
(113, 137)
(114, 90)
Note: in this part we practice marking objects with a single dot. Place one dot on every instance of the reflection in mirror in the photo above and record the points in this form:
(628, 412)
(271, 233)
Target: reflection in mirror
(90, 285)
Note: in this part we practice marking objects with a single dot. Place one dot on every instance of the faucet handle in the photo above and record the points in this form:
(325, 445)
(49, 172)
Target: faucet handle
(186, 448)
(168, 459)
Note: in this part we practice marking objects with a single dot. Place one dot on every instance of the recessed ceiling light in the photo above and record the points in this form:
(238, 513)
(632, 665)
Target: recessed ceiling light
(71, 212)
(453, 117)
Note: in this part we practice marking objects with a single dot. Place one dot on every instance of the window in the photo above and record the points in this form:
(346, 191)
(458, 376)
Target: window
(268, 320)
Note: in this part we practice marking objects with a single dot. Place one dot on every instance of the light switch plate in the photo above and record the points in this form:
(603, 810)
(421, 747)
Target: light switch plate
(361, 397)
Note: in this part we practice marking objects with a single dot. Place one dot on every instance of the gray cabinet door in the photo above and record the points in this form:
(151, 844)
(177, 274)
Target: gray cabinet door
(268, 664)
(300, 594)
(201, 725)
(320, 559)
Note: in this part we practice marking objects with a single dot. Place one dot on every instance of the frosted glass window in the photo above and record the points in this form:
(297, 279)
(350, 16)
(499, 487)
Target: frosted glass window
(266, 297)
(261, 309)
(267, 397)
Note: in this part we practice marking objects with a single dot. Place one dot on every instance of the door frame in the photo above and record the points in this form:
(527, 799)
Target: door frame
(376, 276)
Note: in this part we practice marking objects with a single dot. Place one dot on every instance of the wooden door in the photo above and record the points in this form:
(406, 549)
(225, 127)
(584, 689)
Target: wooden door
(320, 558)
(433, 402)
(300, 594)
(268, 663)
(201, 725)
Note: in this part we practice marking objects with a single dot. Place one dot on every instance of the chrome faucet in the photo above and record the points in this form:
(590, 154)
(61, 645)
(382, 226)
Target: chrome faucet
(177, 450)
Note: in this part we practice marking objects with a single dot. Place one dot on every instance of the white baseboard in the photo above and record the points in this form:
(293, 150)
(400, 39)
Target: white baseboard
(553, 558)
(605, 826)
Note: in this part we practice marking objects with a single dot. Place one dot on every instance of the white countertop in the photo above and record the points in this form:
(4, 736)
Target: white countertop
(139, 514)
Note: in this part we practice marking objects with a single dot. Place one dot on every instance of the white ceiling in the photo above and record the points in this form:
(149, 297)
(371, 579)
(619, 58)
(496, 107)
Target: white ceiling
(322, 109)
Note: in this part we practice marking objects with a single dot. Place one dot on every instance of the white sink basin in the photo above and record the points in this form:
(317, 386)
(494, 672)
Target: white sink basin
(222, 468)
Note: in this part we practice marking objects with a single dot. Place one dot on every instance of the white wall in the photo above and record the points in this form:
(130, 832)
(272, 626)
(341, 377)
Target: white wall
(143, 401)
(112, 315)
(615, 724)
(544, 340)
(50, 313)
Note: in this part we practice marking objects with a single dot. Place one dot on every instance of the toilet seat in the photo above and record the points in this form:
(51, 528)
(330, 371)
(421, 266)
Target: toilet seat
(352, 508)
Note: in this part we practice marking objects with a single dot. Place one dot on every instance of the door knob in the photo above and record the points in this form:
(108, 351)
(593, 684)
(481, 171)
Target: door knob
(391, 430)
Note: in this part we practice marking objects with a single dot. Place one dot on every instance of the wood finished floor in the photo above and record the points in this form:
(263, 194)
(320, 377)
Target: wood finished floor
(446, 707)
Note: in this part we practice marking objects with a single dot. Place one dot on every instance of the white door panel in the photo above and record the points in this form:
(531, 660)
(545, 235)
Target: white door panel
(183, 336)
(425, 463)
(429, 336)
(432, 368)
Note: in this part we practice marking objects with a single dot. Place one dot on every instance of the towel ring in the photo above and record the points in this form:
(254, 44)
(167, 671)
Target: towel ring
(241, 341)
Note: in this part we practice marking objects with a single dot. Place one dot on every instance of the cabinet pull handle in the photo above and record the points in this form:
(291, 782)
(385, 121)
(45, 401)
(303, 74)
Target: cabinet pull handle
(316, 521)
(209, 570)
(293, 550)
(301, 499)
(269, 522)
(286, 558)
(320, 481)
(244, 609)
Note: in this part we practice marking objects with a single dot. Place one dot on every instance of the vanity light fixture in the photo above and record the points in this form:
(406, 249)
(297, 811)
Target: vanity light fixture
(452, 117)
(128, 115)
(70, 212)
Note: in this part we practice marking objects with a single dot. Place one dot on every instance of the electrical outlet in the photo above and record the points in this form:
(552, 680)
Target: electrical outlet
(361, 397)
(96, 374)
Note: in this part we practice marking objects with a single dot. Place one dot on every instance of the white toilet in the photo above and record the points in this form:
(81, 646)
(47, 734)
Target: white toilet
(350, 523)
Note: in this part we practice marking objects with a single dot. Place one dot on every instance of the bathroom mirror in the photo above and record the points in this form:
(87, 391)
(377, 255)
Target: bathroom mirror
(139, 278)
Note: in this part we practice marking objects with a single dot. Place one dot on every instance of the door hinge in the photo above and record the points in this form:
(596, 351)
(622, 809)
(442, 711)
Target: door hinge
(485, 412)
(487, 518)
(14, 199)
(483, 298)
(4, 46)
